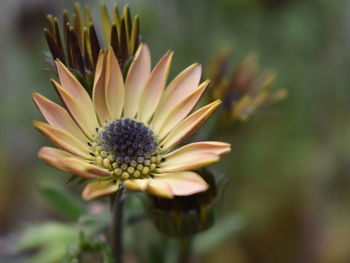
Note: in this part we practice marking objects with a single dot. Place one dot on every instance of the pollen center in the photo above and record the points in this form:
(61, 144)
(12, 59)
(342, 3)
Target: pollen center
(128, 148)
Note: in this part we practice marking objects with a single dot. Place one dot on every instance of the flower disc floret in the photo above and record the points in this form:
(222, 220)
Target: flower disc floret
(128, 148)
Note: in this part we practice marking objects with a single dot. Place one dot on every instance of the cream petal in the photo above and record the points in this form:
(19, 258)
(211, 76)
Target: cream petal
(53, 157)
(181, 110)
(136, 80)
(189, 125)
(191, 162)
(99, 188)
(136, 184)
(183, 183)
(70, 83)
(98, 91)
(180, 88)
(63, 139)
(186, 151)
(159, 188)
(80, 112)
(72, 86)
(69, 163)
(58, 117)
(84, 169)
(115, 90)
(154, 88)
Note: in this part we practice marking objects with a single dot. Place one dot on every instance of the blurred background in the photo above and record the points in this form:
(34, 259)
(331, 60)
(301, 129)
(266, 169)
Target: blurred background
(289, 170)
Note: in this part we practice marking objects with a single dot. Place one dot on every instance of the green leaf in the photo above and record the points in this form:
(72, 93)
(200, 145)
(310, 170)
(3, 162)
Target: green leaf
(47, 234)
(63, 201)
(51, 254)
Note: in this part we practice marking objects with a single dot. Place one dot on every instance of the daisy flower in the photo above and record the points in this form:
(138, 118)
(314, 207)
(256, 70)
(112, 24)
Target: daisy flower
(126, 132)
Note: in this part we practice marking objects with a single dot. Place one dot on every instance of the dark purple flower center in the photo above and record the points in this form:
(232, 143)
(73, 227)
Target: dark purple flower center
(128, 148)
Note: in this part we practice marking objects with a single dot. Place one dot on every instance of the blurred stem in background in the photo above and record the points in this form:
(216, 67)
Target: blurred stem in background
(185, 250)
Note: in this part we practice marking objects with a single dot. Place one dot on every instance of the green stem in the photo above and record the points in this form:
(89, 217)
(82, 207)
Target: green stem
(185, 250)
(117, 225)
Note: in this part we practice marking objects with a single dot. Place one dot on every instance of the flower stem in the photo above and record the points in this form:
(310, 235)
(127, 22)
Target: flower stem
(117, 225)
(185, 250)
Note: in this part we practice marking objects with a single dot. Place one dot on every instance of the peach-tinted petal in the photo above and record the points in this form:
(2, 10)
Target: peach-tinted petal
(136, 184)
(189, 125)
(191, 162)
(63, 139)
(159, 188)
(98, 91)
(154, 88)
(183, 183)
(99, 188)
(136, 80)
(72, 86)
(181, 110)
(58, 117)
(69, 163)
(53, 156)
(70, 83)
(215, 147)
(183, 83)
(180, 88)
(83, 169)
(81, 113)
(115, 91)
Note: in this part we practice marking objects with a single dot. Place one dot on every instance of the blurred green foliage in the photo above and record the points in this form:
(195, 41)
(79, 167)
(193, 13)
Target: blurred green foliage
(54, 237)
(62, 200)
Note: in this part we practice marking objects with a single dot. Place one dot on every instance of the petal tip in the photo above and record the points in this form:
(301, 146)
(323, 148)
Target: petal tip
(206, 82)
(35, 94)
(42, 152)
(37, 124)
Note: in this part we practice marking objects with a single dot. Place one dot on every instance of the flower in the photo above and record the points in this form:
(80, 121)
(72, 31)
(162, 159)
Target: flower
(246, 90)
(127, 131)
(78, 47)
